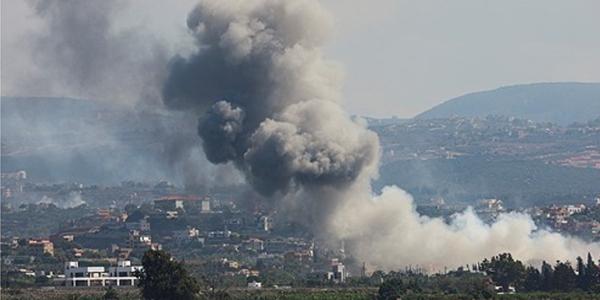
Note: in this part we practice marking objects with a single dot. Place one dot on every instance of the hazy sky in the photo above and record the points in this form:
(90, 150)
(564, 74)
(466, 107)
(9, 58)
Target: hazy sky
(401, 57)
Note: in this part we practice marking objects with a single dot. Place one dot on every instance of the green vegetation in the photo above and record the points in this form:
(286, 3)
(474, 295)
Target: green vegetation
(501, 274)
(459, 283)
(500, 277)
(165, 278)
(31, 220)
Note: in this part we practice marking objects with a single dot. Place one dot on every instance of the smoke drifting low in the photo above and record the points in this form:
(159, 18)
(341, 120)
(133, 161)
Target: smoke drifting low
(269, 102)
(390, 233)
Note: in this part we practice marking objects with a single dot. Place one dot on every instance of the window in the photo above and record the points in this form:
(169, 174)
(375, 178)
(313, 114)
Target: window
(126, 282)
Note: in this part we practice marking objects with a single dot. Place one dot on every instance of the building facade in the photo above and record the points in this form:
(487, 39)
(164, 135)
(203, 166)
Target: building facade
(121, 275)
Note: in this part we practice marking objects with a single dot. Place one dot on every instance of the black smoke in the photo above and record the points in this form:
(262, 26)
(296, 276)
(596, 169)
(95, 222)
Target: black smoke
(267, 100)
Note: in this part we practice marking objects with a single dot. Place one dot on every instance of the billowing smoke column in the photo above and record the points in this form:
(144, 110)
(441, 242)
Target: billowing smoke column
(270, 100)
(270, 104)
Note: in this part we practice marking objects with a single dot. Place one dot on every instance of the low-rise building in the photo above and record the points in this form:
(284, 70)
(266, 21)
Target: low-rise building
(254, 285)
(338, 271)
(121, 275)
(174, 202)
(254, 244)
(42, 246)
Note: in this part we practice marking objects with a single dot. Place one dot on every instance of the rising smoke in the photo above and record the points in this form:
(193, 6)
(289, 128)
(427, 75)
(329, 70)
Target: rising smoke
(269, 102)
(80, 51)
(71, 200)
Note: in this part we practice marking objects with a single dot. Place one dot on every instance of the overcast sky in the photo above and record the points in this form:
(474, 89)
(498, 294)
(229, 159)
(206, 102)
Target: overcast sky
(401, 57)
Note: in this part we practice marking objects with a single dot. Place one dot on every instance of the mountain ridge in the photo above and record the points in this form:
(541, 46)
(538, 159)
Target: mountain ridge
(557, 102)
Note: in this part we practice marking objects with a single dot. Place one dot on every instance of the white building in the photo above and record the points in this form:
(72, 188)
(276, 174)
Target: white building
(575, 209)
(205, 205)
(338, 271)
(264, 223)
(121, 275)
(254, 285)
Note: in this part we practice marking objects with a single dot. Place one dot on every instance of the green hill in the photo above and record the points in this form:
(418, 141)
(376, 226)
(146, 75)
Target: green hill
(561, 103)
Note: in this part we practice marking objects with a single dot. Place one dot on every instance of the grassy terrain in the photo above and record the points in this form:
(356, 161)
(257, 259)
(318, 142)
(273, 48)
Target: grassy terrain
(268, 294)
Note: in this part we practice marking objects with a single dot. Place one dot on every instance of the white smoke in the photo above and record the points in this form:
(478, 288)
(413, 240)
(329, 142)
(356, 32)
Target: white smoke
(387, 232)
(71, 200)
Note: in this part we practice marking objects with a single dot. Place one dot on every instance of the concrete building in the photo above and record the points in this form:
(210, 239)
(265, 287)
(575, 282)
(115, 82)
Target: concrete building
(253, 285)
(189, 234)
(264, 223)
(254, 244)
(174, 202)
(141, 224)
(493, 205)
(338, 271)
(41, 246)
(121, 275)
(205, 207)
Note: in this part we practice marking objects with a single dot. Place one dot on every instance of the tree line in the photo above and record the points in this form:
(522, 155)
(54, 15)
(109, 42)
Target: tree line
(163, 277)
(560, 277)
(499, 274)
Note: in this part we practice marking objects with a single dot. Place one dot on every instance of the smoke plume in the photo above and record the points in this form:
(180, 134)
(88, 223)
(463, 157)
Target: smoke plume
(81, 51)
(389, 233)
(269, 102)
(261, 96)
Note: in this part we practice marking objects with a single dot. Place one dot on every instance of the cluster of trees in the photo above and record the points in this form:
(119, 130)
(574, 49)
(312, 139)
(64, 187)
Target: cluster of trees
(562, 277)
(499, 273)
(163, 277)
(460, 284)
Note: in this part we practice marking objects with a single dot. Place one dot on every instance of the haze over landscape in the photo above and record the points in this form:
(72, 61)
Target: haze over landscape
(247, 114)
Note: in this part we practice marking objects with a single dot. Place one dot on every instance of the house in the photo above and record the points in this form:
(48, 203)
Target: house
(254, 285)
(121, 275)
(175, 202)
(254, 244)
(187, 235)
(205, 207)
(139, 223)
(338, 271)
(41, 246)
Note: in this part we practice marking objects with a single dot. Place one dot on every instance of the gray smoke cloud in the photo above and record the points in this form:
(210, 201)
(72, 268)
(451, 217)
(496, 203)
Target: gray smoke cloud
(81, 53)
(269, 102)
(121, 129)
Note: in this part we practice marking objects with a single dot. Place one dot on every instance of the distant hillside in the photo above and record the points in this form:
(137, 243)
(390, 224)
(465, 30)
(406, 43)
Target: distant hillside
(561, 103)
(66, 140)
(519, 183)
